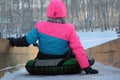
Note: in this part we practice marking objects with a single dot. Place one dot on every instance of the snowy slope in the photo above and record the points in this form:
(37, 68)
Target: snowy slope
(88, 39)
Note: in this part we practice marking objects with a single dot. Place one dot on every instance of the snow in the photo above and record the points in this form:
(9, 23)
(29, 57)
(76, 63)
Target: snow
(91, 39)
(12, 67)
(88, 39)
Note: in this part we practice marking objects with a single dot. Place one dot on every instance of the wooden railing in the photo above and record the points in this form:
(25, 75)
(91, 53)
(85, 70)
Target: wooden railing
(107, 53)
(13, 58)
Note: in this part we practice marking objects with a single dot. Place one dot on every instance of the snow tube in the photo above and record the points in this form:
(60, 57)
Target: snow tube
(53, 66)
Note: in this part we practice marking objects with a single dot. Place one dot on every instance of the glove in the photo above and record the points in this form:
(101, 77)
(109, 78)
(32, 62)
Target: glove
(89, 70)
(11, 41)
(19, 42)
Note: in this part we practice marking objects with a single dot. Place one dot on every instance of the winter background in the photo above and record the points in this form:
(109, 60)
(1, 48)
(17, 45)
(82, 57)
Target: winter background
(19, 16)
(88, 39)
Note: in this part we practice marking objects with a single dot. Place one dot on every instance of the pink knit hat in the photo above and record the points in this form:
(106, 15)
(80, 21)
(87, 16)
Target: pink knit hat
(56, 9)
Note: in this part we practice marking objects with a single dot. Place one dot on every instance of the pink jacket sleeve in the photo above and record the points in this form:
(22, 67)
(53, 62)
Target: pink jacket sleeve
(78, 49)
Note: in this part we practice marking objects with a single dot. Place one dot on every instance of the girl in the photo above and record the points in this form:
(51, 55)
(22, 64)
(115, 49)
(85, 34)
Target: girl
(55, 37)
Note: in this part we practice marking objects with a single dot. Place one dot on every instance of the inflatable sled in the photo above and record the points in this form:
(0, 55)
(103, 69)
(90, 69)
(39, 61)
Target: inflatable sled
(53, 66)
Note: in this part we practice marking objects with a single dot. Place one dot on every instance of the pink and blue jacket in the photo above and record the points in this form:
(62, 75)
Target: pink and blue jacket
(56, 38)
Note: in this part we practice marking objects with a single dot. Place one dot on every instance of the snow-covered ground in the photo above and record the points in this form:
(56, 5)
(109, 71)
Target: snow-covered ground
(88, 39)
